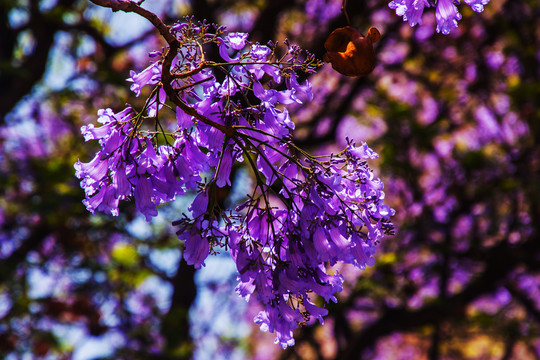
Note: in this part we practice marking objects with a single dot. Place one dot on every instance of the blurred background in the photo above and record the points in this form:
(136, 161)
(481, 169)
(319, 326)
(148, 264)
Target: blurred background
(455, 120)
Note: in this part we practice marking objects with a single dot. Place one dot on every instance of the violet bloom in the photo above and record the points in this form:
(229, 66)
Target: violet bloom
(149, 76)
(143, 198)
(410, 10)
(184, 120)
(92, 133)
(331, 201)
(196, 247)
(447, 16)
(233, 41)
(199, 205)
(279, 319)
(237, 40)
(477, 5)
(223, 175)
(260, 52)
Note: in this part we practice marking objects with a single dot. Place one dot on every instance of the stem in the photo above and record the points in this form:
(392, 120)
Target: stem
(190, 72)
(344, 11)
(293, 159)
(225, 142)
(174, 46)
(274, 170)
(193, 84)
(260, 184)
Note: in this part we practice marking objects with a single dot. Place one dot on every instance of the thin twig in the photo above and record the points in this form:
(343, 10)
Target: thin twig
(344, 11)
(174, 45)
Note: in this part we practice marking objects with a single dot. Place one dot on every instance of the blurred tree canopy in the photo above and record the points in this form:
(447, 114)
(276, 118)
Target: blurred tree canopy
(454, 118)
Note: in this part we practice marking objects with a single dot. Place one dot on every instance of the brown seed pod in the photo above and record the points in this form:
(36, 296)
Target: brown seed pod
(350, 52)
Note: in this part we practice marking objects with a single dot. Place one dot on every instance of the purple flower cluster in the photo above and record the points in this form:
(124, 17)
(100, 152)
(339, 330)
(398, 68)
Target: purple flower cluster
(446, 13)
(304, 214)
(129, 166)
(326, 212)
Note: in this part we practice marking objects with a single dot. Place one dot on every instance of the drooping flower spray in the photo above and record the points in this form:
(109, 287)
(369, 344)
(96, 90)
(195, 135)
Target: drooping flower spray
(304, 214)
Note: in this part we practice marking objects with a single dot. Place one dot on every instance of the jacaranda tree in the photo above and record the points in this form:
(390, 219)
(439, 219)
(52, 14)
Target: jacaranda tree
(264, 131)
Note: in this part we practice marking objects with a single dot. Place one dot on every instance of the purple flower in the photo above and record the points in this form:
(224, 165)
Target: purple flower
(266, 164)
(237, 40)
(121, 183)
(234, 41)
(95, 170)
(148, 161)
(477, 5)
(93, 201)
(157, 103)
(325, 248)
(106, 116)
(143, 198)
(260, 52)
(315, 311)
(92, 133)
(411, 10)
(166, 182)
(223, 175)
(199, 206)
(363, 151)
(272, 97)
(184, 120)
(447, 16)
(300, 91)
(196, 247)
(149, 76)
(280, 319)
(224, 51)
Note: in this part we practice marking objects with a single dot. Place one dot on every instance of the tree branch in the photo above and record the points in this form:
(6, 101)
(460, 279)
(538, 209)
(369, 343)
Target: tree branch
(130, 6)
